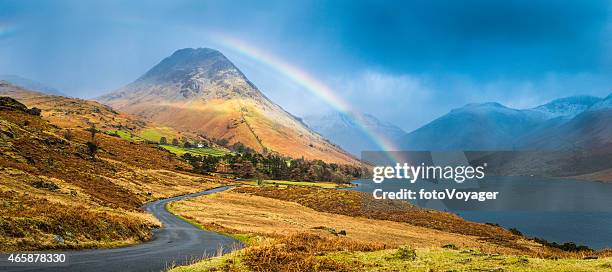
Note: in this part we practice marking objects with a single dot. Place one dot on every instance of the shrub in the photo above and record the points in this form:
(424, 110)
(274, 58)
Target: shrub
(34, 111)
(92, 147)
(406, 253)
(515, 231)
(450, 246)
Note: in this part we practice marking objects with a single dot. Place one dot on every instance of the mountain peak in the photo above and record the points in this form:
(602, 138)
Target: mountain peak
(187, 62)
(483, 105)
(567, 107)
(486, 107)
(190, 74)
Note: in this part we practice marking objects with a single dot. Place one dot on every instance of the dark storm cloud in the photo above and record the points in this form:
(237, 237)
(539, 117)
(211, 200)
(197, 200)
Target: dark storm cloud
(480, 37)
(424, 56)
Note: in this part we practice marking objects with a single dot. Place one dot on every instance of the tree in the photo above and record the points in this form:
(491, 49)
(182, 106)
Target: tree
(222, 142)
(175, 142)
(92, 145)
(245, 169)
(163, 141)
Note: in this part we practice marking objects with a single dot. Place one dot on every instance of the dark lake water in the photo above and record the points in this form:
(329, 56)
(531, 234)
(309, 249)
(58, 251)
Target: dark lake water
(558, 210)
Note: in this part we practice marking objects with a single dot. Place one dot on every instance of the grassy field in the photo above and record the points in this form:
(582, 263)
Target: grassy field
(405, 259)
(231, 212)
(290, 236)
(126, 135)
(154, 134)
(268, 182)
(204, 151)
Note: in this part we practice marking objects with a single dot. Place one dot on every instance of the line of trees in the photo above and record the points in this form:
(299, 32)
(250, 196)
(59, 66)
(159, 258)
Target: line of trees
(186, 144)
(251, 165)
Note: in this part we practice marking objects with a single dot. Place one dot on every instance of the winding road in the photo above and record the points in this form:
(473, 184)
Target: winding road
(176, 243)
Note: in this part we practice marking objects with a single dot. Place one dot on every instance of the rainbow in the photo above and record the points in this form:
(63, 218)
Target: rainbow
(311, 84)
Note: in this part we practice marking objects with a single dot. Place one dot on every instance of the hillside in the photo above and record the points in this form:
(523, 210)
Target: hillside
(201, 91)
(71, 112)
(55, 192)
(75, 113)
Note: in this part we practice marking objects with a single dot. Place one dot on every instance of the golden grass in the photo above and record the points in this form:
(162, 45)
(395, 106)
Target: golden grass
(296, 242)
(53, 194)
(243, 213)
(429, 259)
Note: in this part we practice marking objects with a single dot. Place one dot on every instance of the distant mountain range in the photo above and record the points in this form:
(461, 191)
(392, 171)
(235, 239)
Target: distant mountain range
(577, 121)
(30, 84)
(568, 137)
(201, 91)
(347, 130)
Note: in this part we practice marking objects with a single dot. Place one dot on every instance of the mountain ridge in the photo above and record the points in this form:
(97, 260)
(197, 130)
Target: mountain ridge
(493, 126)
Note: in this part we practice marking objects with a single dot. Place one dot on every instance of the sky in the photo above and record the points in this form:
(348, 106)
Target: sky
(405, 62)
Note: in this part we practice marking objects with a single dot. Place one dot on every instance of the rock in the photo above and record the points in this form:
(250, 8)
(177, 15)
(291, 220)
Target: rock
(59, 239)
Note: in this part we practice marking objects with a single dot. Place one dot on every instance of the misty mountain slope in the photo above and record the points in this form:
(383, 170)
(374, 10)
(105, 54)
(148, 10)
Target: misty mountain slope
(342, 129)
(200, 90)
(487, 126)
(586, 124)
(558, 124)
(603, 104)
(567, 107)
(589, 130)
(30, 84)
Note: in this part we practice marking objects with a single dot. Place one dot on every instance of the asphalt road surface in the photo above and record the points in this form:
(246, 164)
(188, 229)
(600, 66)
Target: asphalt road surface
(176, 243)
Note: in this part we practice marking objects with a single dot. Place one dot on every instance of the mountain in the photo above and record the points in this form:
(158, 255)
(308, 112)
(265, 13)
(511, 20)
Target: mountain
(567, 107)
(568, 137)
(200, 90)
(347, 130)
(492, 126)
(486, 126)
(30, 84)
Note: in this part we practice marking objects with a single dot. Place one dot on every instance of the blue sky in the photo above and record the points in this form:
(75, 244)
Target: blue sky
(405, 62)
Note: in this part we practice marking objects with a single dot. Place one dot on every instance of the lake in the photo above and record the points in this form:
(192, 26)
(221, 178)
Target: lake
(558, 210)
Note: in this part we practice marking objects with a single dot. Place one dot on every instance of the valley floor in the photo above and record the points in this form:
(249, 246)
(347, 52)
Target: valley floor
(290, 229)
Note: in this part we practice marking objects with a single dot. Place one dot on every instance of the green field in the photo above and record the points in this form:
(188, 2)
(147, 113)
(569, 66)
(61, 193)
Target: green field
(124, 135)
(154, 134)
(326, 185)
(204, 151)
